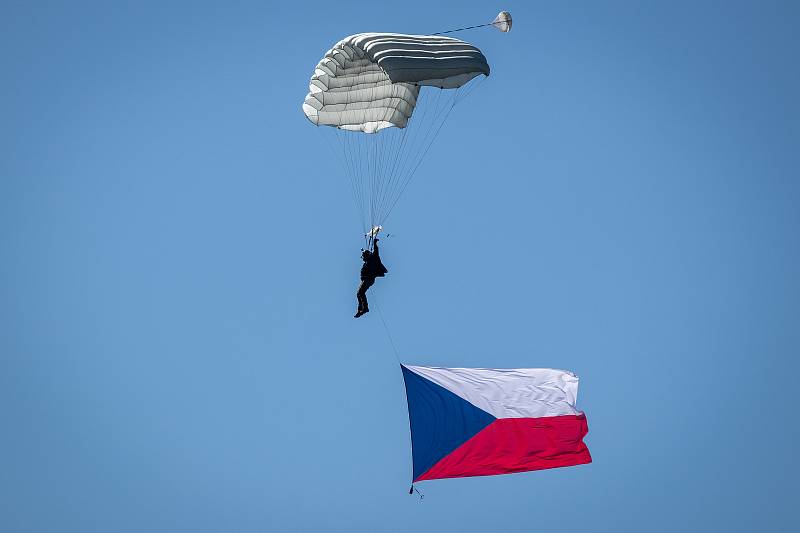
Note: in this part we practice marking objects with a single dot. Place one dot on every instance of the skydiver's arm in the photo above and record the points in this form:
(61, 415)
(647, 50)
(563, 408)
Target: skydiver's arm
(375, 248)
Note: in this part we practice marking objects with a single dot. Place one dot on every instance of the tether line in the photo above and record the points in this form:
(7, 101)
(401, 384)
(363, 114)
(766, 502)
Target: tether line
(467, 28)
(388, 333)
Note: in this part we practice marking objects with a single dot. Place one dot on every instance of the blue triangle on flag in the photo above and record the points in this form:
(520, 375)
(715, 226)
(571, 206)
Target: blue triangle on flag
(440, 420)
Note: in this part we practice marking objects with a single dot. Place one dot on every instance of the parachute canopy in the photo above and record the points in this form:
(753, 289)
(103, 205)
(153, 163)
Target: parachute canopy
(371, 81)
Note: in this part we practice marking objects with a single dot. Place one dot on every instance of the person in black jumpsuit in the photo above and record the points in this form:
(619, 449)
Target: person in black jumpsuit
(372, 268)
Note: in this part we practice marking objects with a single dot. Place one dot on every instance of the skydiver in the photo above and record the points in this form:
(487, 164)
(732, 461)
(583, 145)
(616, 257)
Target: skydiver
(371, 269)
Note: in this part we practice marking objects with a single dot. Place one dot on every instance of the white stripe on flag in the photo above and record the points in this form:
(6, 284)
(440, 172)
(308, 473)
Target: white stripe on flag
(510, 393)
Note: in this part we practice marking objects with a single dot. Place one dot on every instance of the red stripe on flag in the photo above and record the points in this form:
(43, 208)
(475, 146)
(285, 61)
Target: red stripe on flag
(510, 445)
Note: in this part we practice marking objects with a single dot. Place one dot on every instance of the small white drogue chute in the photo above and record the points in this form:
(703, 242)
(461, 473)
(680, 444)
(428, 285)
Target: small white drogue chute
(503, 21)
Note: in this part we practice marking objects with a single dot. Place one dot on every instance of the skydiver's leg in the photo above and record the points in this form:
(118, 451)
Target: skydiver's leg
(360, 298)
(370, 283)
(362, 295)
(365, 309)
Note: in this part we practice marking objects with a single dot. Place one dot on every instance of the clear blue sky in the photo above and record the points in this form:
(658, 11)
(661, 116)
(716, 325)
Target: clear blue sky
(180, 255)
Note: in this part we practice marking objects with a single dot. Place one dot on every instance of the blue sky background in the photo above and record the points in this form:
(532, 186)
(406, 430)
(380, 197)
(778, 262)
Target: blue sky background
(180, 253)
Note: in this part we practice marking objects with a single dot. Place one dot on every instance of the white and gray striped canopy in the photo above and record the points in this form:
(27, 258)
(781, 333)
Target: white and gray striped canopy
(371, 81)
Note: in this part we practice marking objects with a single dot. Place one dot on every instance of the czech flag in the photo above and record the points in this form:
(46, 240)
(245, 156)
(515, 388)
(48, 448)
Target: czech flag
(482, 422)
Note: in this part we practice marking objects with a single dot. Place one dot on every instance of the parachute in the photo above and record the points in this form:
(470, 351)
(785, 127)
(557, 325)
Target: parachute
(503, 21)
(386, 96)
